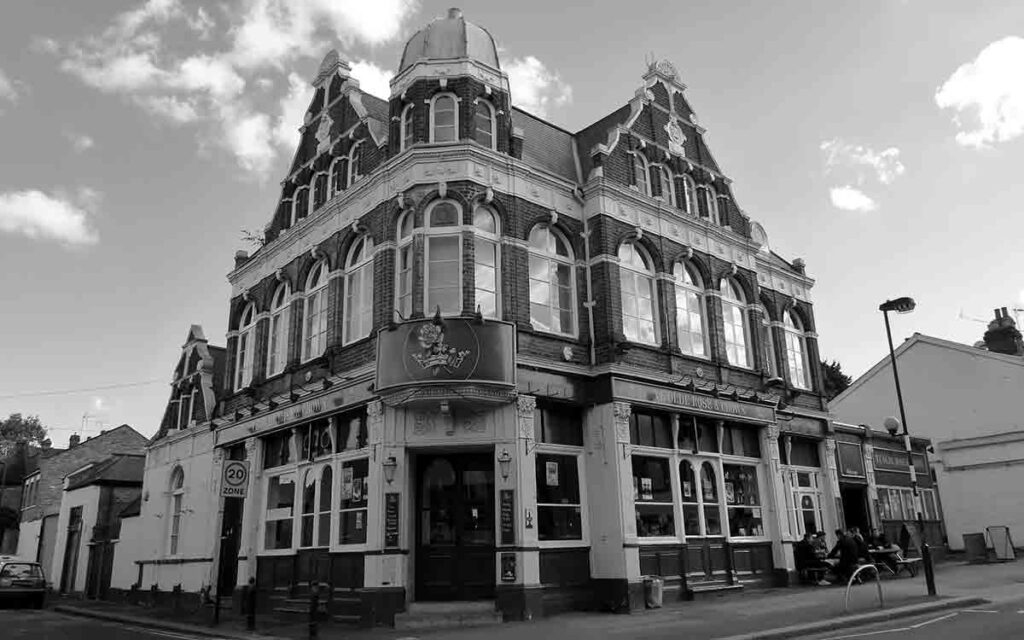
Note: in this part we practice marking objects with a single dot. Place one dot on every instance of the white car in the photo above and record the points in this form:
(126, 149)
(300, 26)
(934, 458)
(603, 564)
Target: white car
(22, 581)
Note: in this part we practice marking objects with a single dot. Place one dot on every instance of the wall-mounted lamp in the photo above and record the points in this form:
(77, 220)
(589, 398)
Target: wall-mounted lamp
(389, 469)
(505, 463)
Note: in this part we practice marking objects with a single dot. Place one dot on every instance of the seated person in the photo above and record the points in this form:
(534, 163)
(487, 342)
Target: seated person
(846, 551)
(880, 540)
(863, 554)
(820, 544)
(806, 559)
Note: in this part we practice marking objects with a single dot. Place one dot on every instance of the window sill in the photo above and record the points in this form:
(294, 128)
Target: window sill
(563, 544)
(663, 541)
(529, 328)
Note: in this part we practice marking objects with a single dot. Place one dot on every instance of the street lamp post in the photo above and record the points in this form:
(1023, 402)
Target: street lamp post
(906, 305)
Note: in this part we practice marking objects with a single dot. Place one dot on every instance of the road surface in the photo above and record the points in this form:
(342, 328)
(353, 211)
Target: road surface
(1003, 620)
(29, 624)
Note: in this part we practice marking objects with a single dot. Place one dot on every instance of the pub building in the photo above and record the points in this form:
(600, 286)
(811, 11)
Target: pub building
(480, 357)
(875, 486)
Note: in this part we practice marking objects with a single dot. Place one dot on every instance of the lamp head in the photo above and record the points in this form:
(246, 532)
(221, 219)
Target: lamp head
(892, 425)
(899, 305)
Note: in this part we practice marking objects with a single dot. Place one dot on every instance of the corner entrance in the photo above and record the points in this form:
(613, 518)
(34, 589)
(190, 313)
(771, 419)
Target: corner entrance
(455, 527)
(855, 507)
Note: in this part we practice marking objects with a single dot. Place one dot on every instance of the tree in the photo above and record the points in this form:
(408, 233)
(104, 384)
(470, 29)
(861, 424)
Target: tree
(835, 380)
(16, 428)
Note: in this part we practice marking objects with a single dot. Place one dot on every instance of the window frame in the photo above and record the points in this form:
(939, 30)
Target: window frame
(552, 260)
(696, 287)
(735, 300)
(493, 240)
(576, 452)
(647, 276)
(175, 510)
(338, 175)
(291, 469)
(280, 311)
(296, 201)
(671, 459)
(245, 351)
(405, 248)
(711, 203)
(315, 289)
(406, 133)
(455, 118)
(350, 457)
(640, 174)
(797, 363)
(690, 204)
(493, 120)
(313, 184)
(362, 252)
(762, 496)
(354, 158)
(432, 233)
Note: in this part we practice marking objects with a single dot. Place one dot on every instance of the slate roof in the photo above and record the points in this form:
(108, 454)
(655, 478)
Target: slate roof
(120, 468)
(545, 145)
(132, 509)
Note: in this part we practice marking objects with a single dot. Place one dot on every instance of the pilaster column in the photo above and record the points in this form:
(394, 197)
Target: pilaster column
(523, 481)
(218, 522)
(869, 472)
(830, 486)
(776, 494)
(373, 568)
(248, 542)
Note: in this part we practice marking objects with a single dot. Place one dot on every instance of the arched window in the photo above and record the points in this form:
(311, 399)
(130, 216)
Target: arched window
(444, 118)
(710, 203)
(552, 290)
(354, 160)
(300, 205)
(319, 190)
(485, 123)
(403, 270)
(709, 498)
(314, 326)
(734, 319)
(688, 196)
(277, 343)
(486, 260)
(666, 188)
(339, 169)
(177, 487)
(767, 339)
(690, 311)
(636, 280)
(796, 351)
(358, 291)
(324, 516)
(640, 174)
(285, 213)
(246, 347)
(406, 126)
(443, 259)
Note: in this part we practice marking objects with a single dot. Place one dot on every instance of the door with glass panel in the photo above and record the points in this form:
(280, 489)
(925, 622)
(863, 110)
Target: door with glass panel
(455, 527)
(702, 520)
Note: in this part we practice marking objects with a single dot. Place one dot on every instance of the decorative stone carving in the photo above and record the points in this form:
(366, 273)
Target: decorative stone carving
(772, 432)
(525, 407)
(323, 134)
(622, 411)
(423, 423)
(830, 465)
(375, 421)
(676, 138)
(473, 422)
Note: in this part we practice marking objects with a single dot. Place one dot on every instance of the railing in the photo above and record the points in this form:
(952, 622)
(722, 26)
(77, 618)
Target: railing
(878, 582)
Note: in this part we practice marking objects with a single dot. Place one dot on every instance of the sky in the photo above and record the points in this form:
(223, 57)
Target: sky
(880, 141)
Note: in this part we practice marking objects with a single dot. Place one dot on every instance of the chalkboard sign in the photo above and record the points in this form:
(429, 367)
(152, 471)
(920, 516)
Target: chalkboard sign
(508, 516)
(391, 520)
(508, 567)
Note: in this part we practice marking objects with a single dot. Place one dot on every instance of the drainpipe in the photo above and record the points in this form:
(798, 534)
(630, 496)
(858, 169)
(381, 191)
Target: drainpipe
(589, 303)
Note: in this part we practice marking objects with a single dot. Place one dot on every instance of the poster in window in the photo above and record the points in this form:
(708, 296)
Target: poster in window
(709, 490)
(687, 489)
(551, 473)
(359, 520)
(357, 489)
(646, 489)
(346, 483)
(730, 493)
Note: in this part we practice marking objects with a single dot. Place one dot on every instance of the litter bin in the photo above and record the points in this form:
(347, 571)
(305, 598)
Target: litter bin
(653, 588)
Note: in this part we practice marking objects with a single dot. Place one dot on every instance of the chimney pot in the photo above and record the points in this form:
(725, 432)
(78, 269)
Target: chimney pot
(46, 444)
(454, 13)
(74, 440)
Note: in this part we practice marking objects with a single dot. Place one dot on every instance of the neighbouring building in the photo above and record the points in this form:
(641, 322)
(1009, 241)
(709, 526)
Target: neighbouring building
(967, 401)
(483, 357)
(87, 526)
(18, 464)
(44, 490)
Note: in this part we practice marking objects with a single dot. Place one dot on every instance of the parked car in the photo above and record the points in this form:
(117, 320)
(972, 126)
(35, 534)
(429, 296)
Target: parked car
(22, 582)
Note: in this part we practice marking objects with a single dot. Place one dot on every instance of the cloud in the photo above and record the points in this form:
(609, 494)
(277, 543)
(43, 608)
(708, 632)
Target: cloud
(372, 79)
(534, 87)
(8, 90)
(39, 216)
(885, 165)
(987, 95)
(850, 198)
(142, 56)
(79, 141)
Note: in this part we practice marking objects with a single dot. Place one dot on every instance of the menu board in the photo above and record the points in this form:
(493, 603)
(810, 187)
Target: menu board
(508, 567)
(391, 520)
(508, 516)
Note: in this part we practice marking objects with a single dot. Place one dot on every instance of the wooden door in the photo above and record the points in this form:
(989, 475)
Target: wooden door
(455, 527)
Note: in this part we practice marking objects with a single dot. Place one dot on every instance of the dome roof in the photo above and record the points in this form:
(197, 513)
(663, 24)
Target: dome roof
(450, 38)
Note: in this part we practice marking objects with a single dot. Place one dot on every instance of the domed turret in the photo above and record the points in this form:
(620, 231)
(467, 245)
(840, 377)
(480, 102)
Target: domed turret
(450, 38)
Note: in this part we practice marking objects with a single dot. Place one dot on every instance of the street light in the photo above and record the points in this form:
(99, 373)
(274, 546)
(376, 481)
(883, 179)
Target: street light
(892, 425)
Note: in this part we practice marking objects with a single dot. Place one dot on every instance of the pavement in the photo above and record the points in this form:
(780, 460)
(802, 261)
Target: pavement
(796, 612)
(29, 624)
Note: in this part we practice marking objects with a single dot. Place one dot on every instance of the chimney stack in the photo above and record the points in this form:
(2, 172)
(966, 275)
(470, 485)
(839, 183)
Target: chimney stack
(1002, 335)
(74, 440)
(45, 444)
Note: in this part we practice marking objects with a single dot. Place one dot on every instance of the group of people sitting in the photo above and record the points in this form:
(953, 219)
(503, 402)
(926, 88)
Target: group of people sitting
(851, 549)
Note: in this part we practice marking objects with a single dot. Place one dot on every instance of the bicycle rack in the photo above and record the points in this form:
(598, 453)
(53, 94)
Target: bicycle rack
(878, 582)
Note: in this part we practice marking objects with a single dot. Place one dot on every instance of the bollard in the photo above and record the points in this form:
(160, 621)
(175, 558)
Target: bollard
(249, 602)
(314, 606)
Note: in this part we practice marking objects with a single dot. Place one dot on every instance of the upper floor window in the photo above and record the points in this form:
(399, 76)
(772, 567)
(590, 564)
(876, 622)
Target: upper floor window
(339, 170)
(314, 326)
(711, 203)
(734, 319)
(354, 160)
(796, 351)
(768, 340)
(277, 343)
(406, 127)
(690, 311)
(640, 175)
(358, 291)
(687, 194)
(444, 118)
(662, 185)
(636, 278)
(177, 494)
(300, 204)
(185, 403)
(403, 267)
(485, 123)
(552, 295)
(246, 347)
(443, 258)
(486, 261)
(319, 190)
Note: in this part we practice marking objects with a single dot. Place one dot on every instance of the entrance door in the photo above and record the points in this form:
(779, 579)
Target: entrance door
(706, 552)
(455, 528)
(855, 507)
(69, 569)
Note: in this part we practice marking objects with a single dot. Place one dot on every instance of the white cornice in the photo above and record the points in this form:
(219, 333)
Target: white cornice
(435, 70)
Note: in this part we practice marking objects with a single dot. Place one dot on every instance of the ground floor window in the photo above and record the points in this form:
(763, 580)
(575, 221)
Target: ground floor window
(652, 493)
(280, 511)
(701, 506)
(559, 509)
(742, 500)
(354, 501)
(897, 503)
(805, 505)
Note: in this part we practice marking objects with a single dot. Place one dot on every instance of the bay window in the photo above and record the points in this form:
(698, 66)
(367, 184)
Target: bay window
(358, 307)
(277, 342)
(689, 311)
(246, 347)
(444, 118)
(552, 288)
(314, 327)
(652, 494)
(443, 258)
(484, 123)
(742, 500)
(407, 127)
(734, 320)
(404, 266)
(636, 282)
(486, 260)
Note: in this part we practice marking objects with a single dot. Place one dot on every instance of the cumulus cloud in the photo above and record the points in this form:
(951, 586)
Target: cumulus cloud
(40, 216)
(534, 87)
(987, 95)
(849, 198)
(884, 165)
(79, 141)
(293, 110)
(8, 91)
(185, 82)
(372, 79)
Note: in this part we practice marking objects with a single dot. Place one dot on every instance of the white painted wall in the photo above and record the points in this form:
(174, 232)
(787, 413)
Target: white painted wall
(28, 540)
(125, 572)
(88, 498)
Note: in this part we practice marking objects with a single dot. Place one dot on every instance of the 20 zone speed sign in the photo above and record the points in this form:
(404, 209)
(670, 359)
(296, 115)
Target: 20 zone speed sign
(235, 482)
